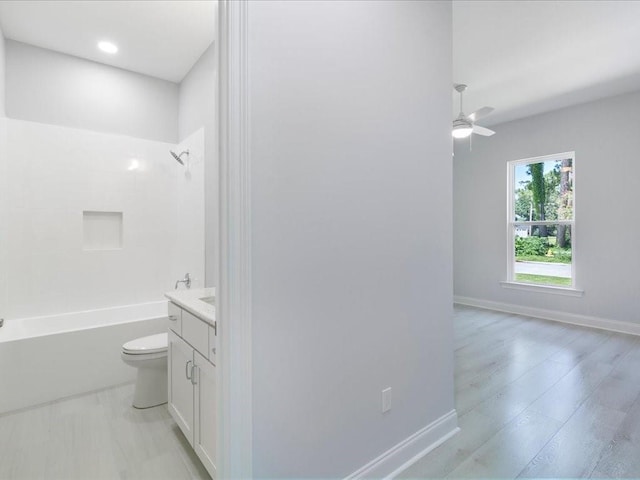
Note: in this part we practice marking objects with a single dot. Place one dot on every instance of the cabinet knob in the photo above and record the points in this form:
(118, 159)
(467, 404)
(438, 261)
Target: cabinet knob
(173, 318)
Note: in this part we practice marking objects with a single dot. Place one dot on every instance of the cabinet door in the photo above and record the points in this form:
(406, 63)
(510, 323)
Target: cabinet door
(205, 413)
(180, 357)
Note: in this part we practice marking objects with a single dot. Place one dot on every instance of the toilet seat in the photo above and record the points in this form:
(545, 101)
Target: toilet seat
(135, 360)
(151, 344)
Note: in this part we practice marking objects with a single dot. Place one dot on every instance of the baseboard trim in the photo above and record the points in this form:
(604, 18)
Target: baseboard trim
(554, 315)
(410, 450)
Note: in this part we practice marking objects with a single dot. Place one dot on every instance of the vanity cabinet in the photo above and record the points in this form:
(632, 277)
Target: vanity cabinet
(192, 383)
(205, 406)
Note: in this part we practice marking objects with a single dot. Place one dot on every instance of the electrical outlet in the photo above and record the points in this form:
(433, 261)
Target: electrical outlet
(386, 399)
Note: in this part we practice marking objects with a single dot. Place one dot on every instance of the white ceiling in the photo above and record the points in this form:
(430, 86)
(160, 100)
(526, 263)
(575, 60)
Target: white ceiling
(528, 57)
(158, 38)
(521, 57)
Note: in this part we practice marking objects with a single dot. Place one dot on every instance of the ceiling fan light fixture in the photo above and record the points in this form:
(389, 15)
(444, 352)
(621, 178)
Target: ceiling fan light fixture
(464, 125)
(461, 129)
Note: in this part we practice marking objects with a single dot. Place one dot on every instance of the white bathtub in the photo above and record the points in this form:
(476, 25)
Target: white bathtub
(48, 358)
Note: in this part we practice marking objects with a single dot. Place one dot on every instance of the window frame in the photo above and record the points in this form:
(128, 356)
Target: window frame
(512, 223)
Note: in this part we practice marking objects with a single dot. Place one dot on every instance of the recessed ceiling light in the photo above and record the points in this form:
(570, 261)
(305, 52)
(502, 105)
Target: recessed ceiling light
(107, 47)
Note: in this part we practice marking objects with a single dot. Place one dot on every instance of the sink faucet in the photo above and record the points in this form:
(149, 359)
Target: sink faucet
(186, 281)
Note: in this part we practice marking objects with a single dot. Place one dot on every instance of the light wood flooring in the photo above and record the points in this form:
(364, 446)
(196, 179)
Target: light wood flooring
(540, 399)
(95, 436)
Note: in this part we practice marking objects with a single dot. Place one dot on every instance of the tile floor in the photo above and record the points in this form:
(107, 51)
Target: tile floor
(539, 399)
(95, 436)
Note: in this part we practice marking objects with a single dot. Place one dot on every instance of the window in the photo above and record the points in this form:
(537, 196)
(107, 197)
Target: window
(541, 223)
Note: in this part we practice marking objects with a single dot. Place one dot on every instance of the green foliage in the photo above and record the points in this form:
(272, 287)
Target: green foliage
(524, 202)
(543, 259)
(531, 246)
(538, 188)
(543, 279)
(545, 193)
(565, 205)
(562, 255)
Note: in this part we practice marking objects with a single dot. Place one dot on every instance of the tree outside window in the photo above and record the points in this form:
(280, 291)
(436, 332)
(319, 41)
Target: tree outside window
(541, 223)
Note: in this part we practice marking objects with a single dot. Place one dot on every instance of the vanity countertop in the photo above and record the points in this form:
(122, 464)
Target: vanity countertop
(192, 301)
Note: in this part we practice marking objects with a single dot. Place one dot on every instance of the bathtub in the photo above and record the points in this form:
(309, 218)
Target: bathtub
(48, 358)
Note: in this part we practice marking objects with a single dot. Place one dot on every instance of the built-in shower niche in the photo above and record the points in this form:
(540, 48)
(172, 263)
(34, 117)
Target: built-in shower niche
(101, 230)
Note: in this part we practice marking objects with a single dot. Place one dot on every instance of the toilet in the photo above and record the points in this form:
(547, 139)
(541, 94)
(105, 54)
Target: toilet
(149, 356)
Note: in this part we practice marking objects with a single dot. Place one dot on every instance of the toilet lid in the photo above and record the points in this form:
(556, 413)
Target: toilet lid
(143, 345)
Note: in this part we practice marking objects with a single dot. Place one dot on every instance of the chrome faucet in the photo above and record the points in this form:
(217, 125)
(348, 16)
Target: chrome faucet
(186, 281)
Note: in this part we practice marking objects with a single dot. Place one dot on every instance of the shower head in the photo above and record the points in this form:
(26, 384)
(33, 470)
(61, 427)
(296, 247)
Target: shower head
(176, 157)
(179, 157)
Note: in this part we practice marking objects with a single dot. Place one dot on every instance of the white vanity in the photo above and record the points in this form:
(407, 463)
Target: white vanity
(192, 369)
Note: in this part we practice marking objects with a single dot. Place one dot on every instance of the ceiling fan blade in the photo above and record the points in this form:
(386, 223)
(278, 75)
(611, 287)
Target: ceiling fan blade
(480, 113)
(482, 131)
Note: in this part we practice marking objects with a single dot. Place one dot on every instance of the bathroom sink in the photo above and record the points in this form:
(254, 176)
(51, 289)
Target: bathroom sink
(209, 300)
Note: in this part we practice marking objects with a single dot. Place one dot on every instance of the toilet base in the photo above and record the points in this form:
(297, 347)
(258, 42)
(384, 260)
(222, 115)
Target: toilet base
(151, 386)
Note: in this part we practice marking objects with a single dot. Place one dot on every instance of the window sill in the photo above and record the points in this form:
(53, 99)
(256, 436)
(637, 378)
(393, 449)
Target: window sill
(529, 287)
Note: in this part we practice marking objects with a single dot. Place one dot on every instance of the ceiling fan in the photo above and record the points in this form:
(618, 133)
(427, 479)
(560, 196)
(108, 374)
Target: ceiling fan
(464, 125)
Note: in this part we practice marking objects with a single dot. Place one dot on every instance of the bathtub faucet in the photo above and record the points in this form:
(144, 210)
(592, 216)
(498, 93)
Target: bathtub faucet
(186, 281)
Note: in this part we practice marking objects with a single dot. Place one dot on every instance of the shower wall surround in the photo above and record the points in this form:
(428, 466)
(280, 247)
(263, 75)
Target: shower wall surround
(52, 176)
(188, 214)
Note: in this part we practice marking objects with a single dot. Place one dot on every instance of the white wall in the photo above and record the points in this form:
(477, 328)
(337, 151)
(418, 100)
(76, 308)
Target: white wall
(3, 213)
(3, 177)
(197, 95)
(604, 135)
(54, 88)
(351, 230)
(2, 73)
(55, 174)
(197, 109)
